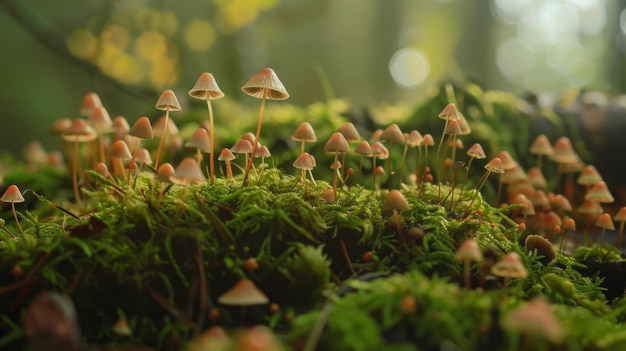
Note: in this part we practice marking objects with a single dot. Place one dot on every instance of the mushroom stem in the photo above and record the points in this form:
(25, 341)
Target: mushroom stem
(389, 166)
(620, 233)
(17, 221)
(212, 140)
(346, 256)
(358, 171)
(335, 175)
(256, 138)
(402, 163)
(163, 134)
(467, 273)
(229, 171)
(132, 160)
(469, 164)
(482, 182)
(75, 172)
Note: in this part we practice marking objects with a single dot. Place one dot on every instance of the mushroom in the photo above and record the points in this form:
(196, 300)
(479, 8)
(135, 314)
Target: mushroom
(510, 266)
(99, 119)
(226, 155)
(304, 134)
(263, 152)
(78, 132)
(620, 217)
(605, 222)
(305, 162)
(206, 88)
(119, 152)
(541, 147)
(395, 202)
(263, 85)
(379, 151)
(493, 166)
(187, 172)
(474, 152)
(13, 195)
(336, 144)
(569, 225)
(542, 246)
(167, 102)
(536, 178)
(467, 253)
(142, 129)
(244, 293)
(364, 150)
(392, 134)
(535, 319)
(163, 174)
(201, 142)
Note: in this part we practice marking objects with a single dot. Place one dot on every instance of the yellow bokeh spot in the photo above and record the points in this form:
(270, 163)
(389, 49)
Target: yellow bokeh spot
(116, 35)
(126, 69)
(168, 22)
(150, 45)
(199, 35)
(164, 72)
(82, 43)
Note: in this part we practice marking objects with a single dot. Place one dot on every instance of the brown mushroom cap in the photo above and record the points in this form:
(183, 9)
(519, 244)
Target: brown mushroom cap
(142, 129)
(495, 165)
(349, 131)
(590, 207)
(168, 101)
(120, 150)
(428, 140)
(453, 127)
(304, 132)
(143, 157)
(120, 125)
(99, 119)
(414, 138)
(392, 134)
(206, 88)
(90, 102)
(337, 143)
(536, 178)
(12, 194)
(536, 319)
(541, 146)
(226, 155)
(164, 172)
(262, 151)
(620, 216)
(542, 246)
(363, 149)
(265, 83)
(79, 131)
(243, 293)
(589, 175)
(600, 193)
(199, 140)
(605, 222)
(379, 150)
(157, 127)
(304, 161)
(450, 112)
(476, 151)
(242, 146)
(564, 152)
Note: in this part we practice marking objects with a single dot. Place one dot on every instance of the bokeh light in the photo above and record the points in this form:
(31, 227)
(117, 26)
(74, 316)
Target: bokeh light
(409, 67)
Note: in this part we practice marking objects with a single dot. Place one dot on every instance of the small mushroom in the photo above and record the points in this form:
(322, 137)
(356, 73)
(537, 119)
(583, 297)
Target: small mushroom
(510, 266)
(167, 102)
(336, 144)
(201, 142)
(620, 217)
(535, 319)
(467, 253)
(244, 293)
(226, 155)
(187, 172)
(13, 195)
(605, 222)
(304, 134)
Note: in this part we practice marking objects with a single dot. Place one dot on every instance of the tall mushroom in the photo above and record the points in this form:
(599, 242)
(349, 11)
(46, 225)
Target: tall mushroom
(78, 132)
(206, 88)
(336, 144)
(167, 102)
(263, 85)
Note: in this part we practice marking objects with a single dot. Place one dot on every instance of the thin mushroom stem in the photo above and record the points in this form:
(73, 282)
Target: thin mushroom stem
(75, 172)
(358, 171)
(440, 164)
(17, 221)
(212, 140)
(389, 179)
(482, 182)
(335, 175)
(620, 233)
(132, 160)
(163, 134)
(403, 162)
(256, 138)
(469, 164)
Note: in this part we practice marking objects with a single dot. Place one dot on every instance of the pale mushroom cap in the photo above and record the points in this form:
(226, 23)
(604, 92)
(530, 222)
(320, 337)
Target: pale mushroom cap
(206, 88)
(242, 146)
(119, 149)
(337, 143)
(12, 194)
(188, 171)
(600, 193)
(465, 127)
(304, 132)
(157, 127)
(99, 119)
(376, 135)
(120, 125)
(265, 83)
(569, 224)
(550, 220)
(363, 148)
(164, 172)
(349, 131)
(514, 175)
(243, 293)
(560, 202)
(541, 146)
(507, 160)
(510, 266)
(142, 129)
(199, 140)
(590, 207)
(539, 199)
(453, 127)
(102, 169)
(605, 222)
(395, 201)
(392, 134)
(262, 151)
(536, 178)
(564, 152)
(226, 155)
(415, 138)
(495, 166)
(428, 140)
(168, 101)
(476, 151)
(450, 112)
(379, 150)
(535, 319)
(469, 251)
(143, 157)
(589, 175)
(79, 131)
(303, 162)
(620, 216)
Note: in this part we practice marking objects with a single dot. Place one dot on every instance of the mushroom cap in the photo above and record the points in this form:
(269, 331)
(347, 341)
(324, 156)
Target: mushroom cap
(242, 146)
(569, 224)
(379, 150)
(510, 266)
(99, 119)
(79, 131)
(543, 247)
(590, 207)
(143, 157)
(102, 169)
(563, 151)
(551, 220)
(61, 125)
(560, 202)
(527, 206)
(395, 201)
(304, 132)
(262, 151)
(119, 149)
(450, 112)
(476, 151)
(188, 171)
(142, 129)
(120, 125)
(226, 155)
(304, 161)
(453, 127)
(507, 160)
(12, 194)
(349, 131)
(537, 319)
(541, 146)
(337, 143)
(168, 101)
(514, 175)
(589, 175)
(428, 140)
(243, 293)
(206, 88)
(469, 251)
(363, 149)
(495, 165)
(465, 127)
(539, 199)
(392, 134)
(536, 178)
(265, 83)
(620, 216)
(90, 101)
(164, 173)
(199, 140)
(415, 138)
(600, 193)
(604, 221)
(157, 127)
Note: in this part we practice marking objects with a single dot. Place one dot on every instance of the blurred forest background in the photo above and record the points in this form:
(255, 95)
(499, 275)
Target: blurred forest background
(370, 52)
